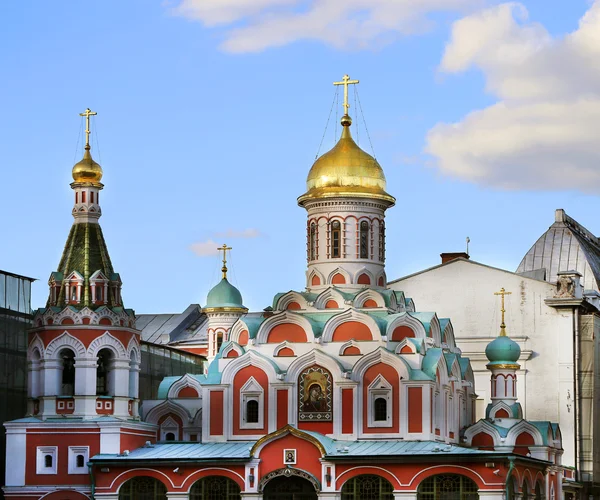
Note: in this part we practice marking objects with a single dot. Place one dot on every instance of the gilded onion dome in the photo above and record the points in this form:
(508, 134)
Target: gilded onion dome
(87, 170)
(346, 170)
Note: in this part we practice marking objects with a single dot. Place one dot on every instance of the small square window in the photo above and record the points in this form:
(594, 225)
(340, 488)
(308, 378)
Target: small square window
(47, 457)
(61, 405)
(98, 405)
(108, 405)
(78, 459)
(70, 405)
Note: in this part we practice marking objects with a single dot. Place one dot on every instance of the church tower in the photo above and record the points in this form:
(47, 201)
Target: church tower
(83, 359)
(223, 308)
(345, 200)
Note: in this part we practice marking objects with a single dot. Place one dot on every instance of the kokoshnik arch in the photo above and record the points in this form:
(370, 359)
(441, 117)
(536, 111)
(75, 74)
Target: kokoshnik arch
(341, 391)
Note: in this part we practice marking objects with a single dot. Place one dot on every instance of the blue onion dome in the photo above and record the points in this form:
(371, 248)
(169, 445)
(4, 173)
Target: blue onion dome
(502, 350)
(224, 296)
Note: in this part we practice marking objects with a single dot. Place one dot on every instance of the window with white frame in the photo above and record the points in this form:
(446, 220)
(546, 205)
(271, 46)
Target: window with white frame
(379, 403)
(252, 405)
(78, 459)
(47, 458)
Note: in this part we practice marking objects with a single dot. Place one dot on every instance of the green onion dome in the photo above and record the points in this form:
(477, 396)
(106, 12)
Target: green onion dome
(502, 350)
(224, 297)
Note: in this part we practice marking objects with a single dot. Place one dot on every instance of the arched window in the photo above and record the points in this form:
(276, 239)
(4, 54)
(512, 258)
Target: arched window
(215, 487)
(99, 293)
(91, 196)
(445, 486)
(48, 461)
(73, 292)
(252, 411)
(103, 373)
(380, 410)
(525, 491)
(336, 239)
(538, 491)
(170, 436)
(80, 461)
(219, 336)
(382, 242)
(367, 486)
(67, 386)
(143, 488)
(364, 240)
(312, 245)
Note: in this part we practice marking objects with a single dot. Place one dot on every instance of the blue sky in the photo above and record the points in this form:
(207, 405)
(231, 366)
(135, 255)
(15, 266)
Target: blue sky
(210, 114)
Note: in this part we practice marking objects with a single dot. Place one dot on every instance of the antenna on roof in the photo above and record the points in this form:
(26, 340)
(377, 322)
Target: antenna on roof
(468, 241)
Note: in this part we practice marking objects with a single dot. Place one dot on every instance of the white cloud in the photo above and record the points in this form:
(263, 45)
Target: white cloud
(210, 247)
(254, 25)
(205, 248)
(541, 134)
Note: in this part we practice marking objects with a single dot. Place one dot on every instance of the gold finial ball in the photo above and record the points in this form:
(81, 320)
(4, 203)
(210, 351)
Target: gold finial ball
(346, 121)
(87, 170)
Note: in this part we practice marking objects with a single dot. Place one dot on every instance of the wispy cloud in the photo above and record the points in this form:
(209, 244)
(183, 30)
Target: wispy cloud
(541, 134)
(210, 246)
(254, 25)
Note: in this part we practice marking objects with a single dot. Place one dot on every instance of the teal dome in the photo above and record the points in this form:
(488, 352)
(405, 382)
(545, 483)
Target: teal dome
(502, 350)
(224, 295)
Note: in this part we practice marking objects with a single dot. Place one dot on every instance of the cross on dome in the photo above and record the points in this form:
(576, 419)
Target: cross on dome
(224, 249)
(87, 113)
(502, 293)
(345, 82)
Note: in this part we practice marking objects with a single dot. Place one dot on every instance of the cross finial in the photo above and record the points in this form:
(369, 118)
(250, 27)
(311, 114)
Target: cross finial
(502, 293)
(224, 249)
(345, 82)
(87, 113)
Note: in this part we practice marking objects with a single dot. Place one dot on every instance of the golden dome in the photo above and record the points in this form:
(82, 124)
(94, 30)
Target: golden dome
(346, 170)
(87, 170)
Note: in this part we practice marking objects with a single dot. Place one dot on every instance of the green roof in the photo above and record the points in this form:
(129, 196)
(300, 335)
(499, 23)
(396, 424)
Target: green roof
(224, 294)
(85, 253)
(502, 350)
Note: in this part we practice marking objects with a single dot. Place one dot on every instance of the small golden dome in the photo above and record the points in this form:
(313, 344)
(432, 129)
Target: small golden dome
(87, 170)
(346, 170)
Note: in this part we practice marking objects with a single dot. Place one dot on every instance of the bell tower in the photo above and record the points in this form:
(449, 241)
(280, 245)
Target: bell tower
(345, 200)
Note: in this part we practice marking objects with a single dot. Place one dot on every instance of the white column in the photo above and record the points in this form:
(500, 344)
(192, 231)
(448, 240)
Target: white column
(85, 376)
(52, 370)
(409, 495)
(120, 380)
(177, 496)
(134, 379)
(16, 441)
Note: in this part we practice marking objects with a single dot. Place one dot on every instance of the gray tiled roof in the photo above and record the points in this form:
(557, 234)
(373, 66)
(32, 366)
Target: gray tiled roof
(565, 246)
(165, 328)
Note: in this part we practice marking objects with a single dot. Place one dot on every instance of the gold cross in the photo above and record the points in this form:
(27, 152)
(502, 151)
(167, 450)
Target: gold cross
(224, 249)
(345, 82)
(502, 293)
(87, 113)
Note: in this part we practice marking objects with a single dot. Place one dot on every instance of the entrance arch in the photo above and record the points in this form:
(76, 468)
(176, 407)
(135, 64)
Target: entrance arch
(289, 484)
(215, 487)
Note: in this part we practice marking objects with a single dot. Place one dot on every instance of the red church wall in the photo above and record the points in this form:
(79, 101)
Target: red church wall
(243, 339)
(307, 455)
(282, 408)
(285, 352)
(522, 443)
(192, 474)
(132, 439)
(415, 409)
(86, 437)
(391, 376)
(501, 413)
(338, 279)
(401, 332)
(287, 331)
(66, 495)
(406, 350)
(351, 351)
(351, 330)
(483, 441)
(216, 413)
(331, 304)
(241, 377)
(364, 279)
(321, 427)
(347, 411)
(292, 306)
(315, 281)
(370, 303)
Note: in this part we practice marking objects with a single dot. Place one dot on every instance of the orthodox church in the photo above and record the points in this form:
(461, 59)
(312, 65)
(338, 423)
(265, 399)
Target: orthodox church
(343, 390)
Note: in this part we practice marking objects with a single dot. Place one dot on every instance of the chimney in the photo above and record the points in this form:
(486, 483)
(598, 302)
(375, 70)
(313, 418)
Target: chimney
(448, 256)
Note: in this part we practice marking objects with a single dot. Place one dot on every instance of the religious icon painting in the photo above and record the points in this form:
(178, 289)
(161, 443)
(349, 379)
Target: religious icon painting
(289, 457)
(315, 399)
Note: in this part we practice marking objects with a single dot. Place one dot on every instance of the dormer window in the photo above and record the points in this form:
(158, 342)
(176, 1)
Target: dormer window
(73, 293)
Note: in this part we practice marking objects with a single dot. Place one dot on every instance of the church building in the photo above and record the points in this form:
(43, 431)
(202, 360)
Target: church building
(343, 390)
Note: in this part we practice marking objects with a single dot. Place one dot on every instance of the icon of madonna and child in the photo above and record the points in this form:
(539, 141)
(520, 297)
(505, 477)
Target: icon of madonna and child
(314, 394)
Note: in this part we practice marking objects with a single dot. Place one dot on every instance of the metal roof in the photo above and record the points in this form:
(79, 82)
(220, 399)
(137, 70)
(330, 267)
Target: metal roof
(165, 328)
(184, 451)
(565, 246)
(395, 448)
